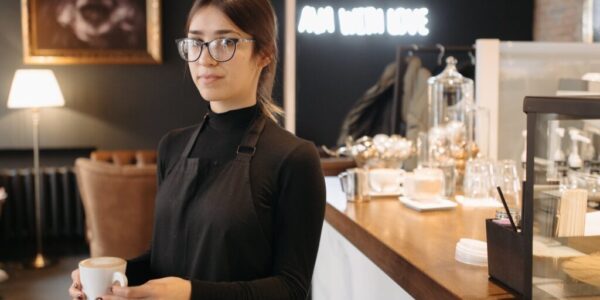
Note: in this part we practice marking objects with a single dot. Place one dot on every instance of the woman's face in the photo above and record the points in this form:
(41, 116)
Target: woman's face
(231, 84)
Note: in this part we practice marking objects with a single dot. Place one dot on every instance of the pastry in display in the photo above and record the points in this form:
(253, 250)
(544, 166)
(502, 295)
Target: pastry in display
(584, 268)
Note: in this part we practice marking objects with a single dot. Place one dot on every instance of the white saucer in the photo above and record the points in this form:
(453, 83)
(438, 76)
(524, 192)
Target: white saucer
(434, 204)
(386, 194)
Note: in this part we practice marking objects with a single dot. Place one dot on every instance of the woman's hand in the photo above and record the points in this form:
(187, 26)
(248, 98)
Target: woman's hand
(75, 288)
(171, 288)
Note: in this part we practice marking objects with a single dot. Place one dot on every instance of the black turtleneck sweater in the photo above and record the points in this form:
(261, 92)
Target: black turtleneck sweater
(288, 192)
(218, 141)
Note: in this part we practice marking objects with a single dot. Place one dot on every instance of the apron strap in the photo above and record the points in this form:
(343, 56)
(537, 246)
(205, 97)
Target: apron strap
(247, 147)
(192, 141)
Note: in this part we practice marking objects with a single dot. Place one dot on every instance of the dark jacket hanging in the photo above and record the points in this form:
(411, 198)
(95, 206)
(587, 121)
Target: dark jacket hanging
(371, 114)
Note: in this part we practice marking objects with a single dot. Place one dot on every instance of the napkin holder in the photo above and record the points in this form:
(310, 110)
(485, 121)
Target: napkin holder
(506, 259)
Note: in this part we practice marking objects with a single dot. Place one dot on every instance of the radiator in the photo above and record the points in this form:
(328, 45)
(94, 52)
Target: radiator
(61, 207)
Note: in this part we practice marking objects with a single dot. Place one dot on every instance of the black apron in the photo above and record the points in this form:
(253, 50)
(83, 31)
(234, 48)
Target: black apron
(213, 235)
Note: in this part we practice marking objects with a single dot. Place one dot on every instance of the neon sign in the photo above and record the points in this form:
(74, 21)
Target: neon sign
(364, 21)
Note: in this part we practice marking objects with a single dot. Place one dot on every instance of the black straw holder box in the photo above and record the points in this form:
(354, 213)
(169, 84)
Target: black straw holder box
(506, 259)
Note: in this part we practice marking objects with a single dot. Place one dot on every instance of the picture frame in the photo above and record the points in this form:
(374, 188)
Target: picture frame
(91, 31)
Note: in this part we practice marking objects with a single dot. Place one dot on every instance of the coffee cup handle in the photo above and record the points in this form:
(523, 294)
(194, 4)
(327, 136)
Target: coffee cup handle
(342, 176)
(120, 278)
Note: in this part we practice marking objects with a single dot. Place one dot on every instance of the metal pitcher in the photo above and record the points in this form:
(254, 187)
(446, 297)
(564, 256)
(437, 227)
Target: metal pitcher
(354, 184)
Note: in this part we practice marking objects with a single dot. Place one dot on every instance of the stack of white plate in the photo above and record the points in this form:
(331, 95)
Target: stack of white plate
(471, 252)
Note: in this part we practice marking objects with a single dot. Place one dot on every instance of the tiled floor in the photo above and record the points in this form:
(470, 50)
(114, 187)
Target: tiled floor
(46, 284)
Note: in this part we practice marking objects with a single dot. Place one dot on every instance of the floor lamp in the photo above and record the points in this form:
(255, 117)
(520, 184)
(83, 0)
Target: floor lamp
(35, 89)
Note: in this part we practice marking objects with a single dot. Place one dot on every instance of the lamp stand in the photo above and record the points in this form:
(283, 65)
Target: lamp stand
(40, 261)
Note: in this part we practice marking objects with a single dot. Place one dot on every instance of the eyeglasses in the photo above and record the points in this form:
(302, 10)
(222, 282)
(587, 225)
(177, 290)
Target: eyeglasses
(221, 49)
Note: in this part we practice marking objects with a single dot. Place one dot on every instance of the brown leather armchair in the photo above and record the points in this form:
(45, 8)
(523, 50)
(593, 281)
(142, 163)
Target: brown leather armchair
(118, 190)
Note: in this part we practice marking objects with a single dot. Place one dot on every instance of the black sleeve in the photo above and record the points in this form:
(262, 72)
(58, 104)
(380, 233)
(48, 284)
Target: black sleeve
(138, 269)
(298, 221)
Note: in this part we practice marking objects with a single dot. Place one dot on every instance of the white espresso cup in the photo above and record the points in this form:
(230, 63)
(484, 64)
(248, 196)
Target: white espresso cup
(424, 184)
(99, 274)
(385, 180)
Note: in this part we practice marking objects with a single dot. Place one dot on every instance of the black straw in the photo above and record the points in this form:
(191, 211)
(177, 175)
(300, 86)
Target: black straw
(510, 218)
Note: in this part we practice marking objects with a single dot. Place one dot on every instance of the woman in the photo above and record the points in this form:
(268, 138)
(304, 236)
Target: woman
(240, 202)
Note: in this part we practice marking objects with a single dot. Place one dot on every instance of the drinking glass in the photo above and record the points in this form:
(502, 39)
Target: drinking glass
(507, 178)
(478, 182)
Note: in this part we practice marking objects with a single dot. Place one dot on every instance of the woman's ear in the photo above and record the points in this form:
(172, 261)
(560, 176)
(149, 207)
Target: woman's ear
(263, 60)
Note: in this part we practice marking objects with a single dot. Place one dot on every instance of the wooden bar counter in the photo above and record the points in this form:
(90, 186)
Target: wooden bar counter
(416, 249)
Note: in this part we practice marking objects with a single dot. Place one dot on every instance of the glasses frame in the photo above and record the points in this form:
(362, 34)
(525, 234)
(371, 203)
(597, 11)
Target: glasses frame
(203, 44)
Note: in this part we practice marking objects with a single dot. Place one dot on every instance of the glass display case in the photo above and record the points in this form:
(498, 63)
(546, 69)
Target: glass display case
(562, 191)
(555, 252)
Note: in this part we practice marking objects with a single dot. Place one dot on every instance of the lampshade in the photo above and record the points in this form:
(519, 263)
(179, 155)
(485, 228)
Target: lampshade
(34, 88)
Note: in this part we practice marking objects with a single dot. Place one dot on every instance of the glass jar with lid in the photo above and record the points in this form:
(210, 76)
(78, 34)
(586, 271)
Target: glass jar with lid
(451, 119)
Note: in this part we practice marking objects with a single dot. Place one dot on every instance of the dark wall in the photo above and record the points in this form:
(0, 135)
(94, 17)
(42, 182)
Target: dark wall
(107, 106)
(333, 71)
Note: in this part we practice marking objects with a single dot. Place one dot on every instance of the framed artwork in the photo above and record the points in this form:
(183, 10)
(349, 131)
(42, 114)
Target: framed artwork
(91, 31)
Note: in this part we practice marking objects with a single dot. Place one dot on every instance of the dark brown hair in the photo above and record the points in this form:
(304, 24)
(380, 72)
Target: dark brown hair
(257, 18)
